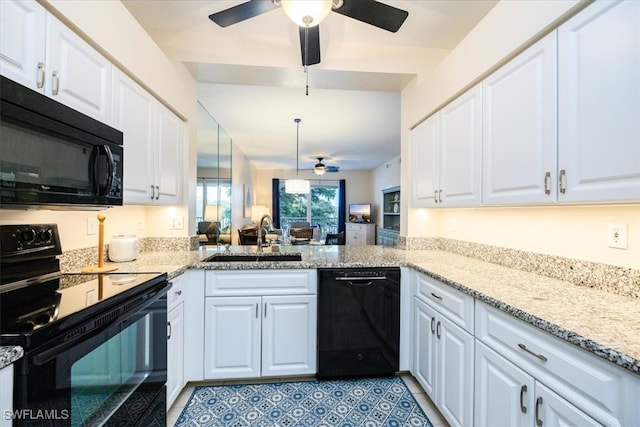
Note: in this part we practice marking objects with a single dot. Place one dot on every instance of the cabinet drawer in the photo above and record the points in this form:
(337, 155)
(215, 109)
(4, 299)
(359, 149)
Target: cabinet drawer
(596, 386)
(176, 294)
(260, 282)
(455, 305)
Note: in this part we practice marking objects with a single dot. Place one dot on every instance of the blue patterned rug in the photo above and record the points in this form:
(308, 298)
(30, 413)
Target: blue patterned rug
(358, 402)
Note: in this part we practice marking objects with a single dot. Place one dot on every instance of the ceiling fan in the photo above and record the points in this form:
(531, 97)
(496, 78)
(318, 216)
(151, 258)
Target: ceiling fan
(320, 168)
(307, 14)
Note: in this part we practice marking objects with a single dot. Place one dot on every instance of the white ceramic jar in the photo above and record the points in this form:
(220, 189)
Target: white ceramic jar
(123, 248)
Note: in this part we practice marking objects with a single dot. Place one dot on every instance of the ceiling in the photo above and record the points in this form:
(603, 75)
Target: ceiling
(253, 82)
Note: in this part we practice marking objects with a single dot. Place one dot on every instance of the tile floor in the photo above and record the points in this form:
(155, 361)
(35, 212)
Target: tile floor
(418, 393)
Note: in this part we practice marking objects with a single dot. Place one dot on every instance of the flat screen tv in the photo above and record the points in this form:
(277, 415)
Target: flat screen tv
(360, 212)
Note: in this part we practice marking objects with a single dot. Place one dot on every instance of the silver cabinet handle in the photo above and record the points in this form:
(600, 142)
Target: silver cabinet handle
(257, 310)
(433, 328)
(178, 292)
(438, 330)
(523, 390)
(561, 177)
(435, 196)
(547, 182)
(539, 356)
(56, 83)
(265, 309)
(169, 326)
(157, 192)
(538, 405)
(438, 297)
(440, 195)
(153, 192)
(41, 73)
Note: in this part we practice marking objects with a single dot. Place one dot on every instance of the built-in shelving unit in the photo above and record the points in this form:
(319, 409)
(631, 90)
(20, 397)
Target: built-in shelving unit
(388, 233)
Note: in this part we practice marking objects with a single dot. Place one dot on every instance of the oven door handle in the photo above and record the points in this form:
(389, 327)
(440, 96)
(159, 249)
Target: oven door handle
(52, 352)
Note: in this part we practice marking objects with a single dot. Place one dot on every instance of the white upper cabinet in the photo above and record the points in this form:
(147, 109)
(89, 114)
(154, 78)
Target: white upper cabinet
(40, 52)
(153, 144)
(599, 104)
(424, 162)
(520, 128)
(22, 42)
(77, 75)
(446, 152)
(460, 150)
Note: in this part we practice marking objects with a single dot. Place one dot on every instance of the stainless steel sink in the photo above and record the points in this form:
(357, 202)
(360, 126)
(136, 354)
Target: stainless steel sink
(265, 257)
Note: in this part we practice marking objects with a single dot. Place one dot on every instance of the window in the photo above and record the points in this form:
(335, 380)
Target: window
(319, 208)
(214, 192)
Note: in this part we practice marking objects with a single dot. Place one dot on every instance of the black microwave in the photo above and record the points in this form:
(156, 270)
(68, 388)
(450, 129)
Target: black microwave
(52, 156)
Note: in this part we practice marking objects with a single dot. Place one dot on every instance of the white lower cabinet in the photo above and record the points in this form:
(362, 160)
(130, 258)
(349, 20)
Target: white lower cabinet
(262, 331)
(175, 339)
(6, 395)
(444, 364)
(508, 396)
(565, 385)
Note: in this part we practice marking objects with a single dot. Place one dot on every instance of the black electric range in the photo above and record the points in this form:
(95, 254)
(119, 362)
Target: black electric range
(87, 338)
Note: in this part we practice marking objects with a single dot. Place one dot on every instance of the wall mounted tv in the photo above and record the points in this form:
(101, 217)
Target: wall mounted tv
(360, 212)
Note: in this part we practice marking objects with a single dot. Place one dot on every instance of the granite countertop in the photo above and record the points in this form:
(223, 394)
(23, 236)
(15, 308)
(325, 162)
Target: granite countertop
(601, 322)
(9, 354)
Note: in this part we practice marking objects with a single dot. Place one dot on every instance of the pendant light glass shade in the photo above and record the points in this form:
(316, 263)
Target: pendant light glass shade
(297, 186)
(306, 13)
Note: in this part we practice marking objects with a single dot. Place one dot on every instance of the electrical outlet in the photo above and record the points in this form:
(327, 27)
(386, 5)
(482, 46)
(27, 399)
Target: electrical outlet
(92, 226)
(176, 223)
(617, 236)
(91, 297)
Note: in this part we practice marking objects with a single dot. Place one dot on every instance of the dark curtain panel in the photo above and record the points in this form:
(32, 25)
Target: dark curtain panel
(275, 202)
(342, 206)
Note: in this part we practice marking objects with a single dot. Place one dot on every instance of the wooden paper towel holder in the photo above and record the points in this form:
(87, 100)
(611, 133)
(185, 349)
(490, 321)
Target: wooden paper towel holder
(100, 268)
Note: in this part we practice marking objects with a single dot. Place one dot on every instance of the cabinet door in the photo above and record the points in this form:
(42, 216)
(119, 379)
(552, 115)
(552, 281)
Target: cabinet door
(424, 364)
(461, 150)
(289, 335)
(22, 42)
(504, 393)
(553, 411)
(520, 128)
(169, 157)
(77, 75)
(599, 103)
(175, 348)
(455, 373)
(133, 114)
(232, 337)
(6, 394)
(425, 162)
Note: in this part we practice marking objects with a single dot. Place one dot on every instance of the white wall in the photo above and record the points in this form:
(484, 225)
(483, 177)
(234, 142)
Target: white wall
(577, 232)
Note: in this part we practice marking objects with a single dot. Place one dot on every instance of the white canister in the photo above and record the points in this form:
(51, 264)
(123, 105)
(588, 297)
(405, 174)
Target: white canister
(123, 248)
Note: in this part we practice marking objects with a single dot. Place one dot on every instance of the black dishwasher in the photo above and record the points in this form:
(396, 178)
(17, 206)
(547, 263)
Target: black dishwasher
(358, 322)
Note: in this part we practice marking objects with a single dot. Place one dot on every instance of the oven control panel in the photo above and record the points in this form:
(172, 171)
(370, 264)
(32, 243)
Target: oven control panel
(29, 241)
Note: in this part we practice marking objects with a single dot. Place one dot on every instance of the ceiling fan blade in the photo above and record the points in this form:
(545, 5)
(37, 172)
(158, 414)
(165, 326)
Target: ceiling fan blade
(375, 13)
(313, 48)
(242, 12)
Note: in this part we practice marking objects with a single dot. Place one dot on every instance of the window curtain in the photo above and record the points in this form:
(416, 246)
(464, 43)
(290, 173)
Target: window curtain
(342, 206)
(275, 202)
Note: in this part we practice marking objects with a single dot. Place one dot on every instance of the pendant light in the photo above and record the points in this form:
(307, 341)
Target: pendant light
(297, 186)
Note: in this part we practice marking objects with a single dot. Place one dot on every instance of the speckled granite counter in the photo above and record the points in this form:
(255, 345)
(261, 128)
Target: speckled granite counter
(603, 323)
(9, 354)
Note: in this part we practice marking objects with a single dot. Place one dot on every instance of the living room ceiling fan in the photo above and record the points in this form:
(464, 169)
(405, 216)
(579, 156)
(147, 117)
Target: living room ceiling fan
(320, 168)
(307, 14)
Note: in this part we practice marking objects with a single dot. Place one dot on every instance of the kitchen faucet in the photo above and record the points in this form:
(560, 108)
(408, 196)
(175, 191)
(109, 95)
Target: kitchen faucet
(270, 221)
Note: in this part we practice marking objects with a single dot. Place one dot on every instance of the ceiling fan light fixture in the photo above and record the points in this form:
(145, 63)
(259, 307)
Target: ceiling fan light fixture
(319, 168)
(306, 13)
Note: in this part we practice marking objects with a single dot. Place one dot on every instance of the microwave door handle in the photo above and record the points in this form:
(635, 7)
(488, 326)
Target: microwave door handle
(111, 168)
